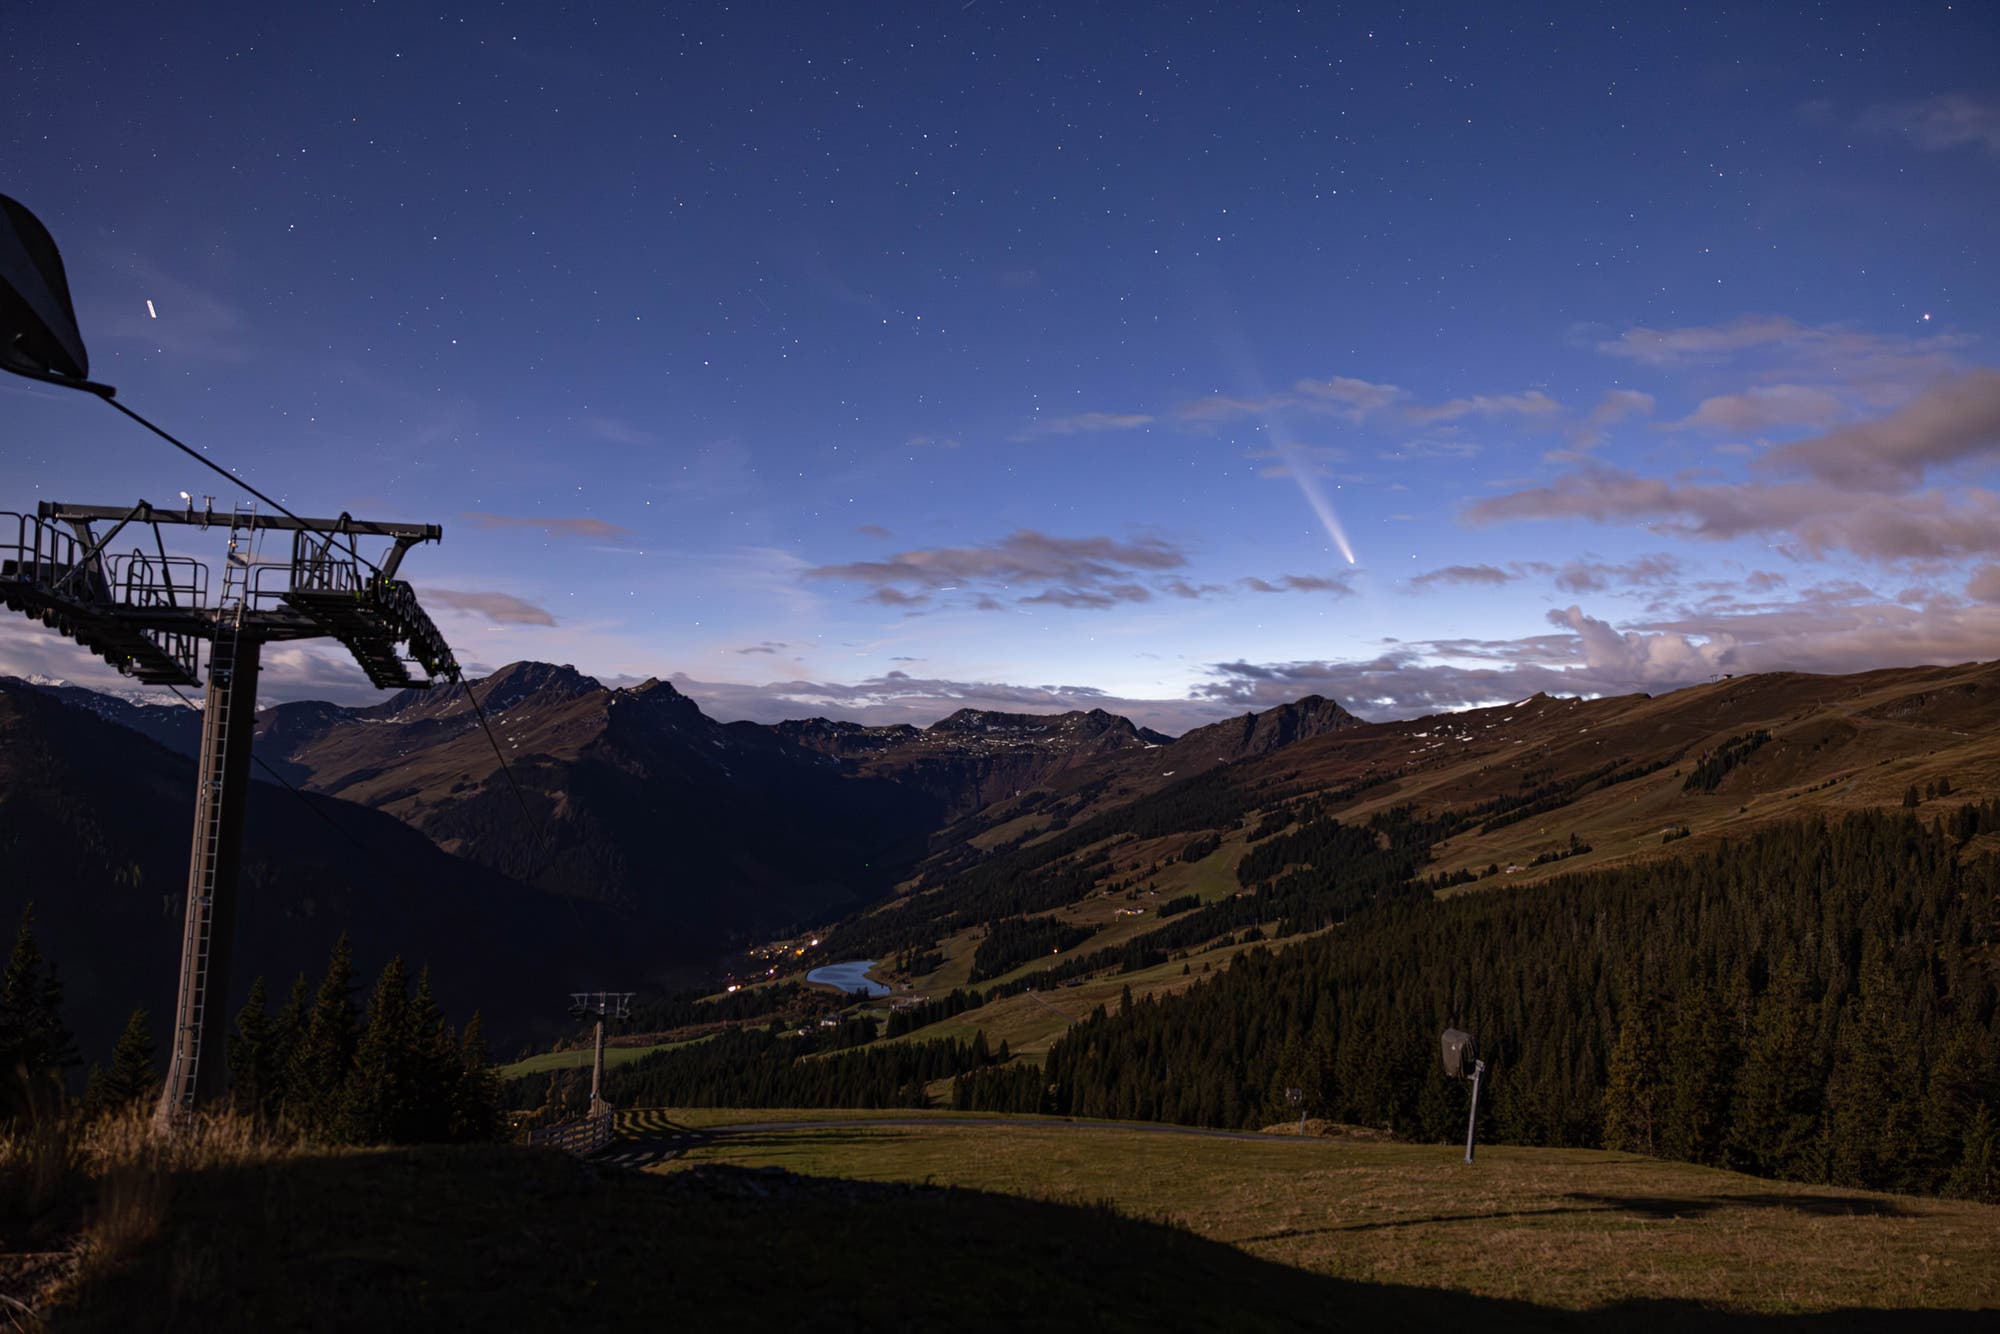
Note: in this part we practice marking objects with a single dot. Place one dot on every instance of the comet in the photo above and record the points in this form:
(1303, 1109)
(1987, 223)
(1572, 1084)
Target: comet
(1309, 487)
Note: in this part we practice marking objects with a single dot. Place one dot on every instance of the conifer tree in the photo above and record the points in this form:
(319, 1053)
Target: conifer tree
(1977, 1176)
(1774, 1118)
(435, 1068)
(1634, 1102)
(255, 1077)
(316, 1076)
(35, 1045)
(1700, 1077)
(131, 1078)
(1872, 1115)
(1960, 1081)
(475, 1103)
(376, 1102)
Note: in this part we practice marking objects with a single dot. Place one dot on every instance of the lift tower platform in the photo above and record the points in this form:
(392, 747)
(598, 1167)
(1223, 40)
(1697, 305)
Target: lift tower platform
(149, 613)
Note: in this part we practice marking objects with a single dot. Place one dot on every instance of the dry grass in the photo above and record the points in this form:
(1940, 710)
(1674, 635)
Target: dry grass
(83, 1195)
(1579, 1230)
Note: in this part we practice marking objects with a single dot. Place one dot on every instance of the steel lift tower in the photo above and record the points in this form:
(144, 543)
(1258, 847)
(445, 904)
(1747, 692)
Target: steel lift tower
(148, 613)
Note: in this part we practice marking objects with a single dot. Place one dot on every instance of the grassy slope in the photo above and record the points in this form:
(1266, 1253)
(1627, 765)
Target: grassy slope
(1573, 1229)
(580, 1057)
(1203, 1234)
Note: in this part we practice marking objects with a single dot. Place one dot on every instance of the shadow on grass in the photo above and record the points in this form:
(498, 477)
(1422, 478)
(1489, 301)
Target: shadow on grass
(495, 1238)
(1661, 1208)
(1823, 1206)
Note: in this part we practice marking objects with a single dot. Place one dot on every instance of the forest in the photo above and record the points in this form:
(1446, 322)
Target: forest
(1817, 1002)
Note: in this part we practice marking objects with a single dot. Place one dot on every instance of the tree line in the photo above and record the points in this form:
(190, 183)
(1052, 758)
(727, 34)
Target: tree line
(764, 1068)
(400, 1074)
(1817, 1002)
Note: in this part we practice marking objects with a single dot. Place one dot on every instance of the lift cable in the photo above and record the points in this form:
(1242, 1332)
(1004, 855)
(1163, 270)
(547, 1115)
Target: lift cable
(457, 672)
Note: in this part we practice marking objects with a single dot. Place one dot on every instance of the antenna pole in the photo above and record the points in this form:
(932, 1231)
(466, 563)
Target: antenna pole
(597, 1107)
(1472, 1117)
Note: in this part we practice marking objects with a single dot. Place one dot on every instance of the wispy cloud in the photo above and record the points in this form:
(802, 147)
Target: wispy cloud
(1533, 403)
(1819, 518)
(1953, 422)
(1462, 575)
(1617, 405)
(1341, 396)
(1939, 124)
(898, 697)
(1085, 423)
(1857, 487)
(1339, 585)
(596, 529)
(500, 608)
(618, 432)
(1070, 571)
(1881, 368)
(1766, 407)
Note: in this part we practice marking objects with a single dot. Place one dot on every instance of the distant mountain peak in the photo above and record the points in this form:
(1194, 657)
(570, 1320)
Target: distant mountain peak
(1260, 733)
(561, 678)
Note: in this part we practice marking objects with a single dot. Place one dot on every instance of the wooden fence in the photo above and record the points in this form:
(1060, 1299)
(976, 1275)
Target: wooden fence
(581, 1138)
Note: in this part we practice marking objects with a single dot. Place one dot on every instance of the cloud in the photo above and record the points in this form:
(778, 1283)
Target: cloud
(1766, 407)
(896, 597)
(1339, 585)
(1346, 392)
(1938, 124)
(897, 697)
(873, 530)
(1616, 406)
(1085, 423)
(1641, 659)
(1452, 575)
(1923, 526)
(500, 608)
(1108, 596)
(585, 528)
(768, 646)
(1222, 407)
(1581, 576)
(1707, 343)
(1534, 403)
(1879, 368)
(1951, 422)
(617, 432)
(1075, 571)
(1576, 576)
(1834, 628)
(1984, 585)
(1337, 396)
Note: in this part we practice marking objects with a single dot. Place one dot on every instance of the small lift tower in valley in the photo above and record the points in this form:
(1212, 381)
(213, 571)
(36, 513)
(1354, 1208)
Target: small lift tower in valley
(604, 1005)
(150, 614)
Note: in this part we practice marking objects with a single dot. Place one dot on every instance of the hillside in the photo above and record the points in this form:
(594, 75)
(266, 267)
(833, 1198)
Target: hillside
(94, 822)
(973, 757)
(696, 832)
(1489, 798)
(977, 1226)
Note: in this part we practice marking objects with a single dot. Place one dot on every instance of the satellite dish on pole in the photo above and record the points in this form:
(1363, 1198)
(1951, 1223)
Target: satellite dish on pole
(1457, 1046)
(1460, 1062)
(38, 333)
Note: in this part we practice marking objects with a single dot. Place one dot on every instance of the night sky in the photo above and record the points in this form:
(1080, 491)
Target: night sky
(879, 360)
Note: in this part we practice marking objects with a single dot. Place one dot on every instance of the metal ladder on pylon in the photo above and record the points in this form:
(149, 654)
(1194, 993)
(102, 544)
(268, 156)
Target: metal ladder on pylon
(196, 938)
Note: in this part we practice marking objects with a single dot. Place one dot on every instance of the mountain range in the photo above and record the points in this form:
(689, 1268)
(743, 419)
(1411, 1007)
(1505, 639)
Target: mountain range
(628, 834)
